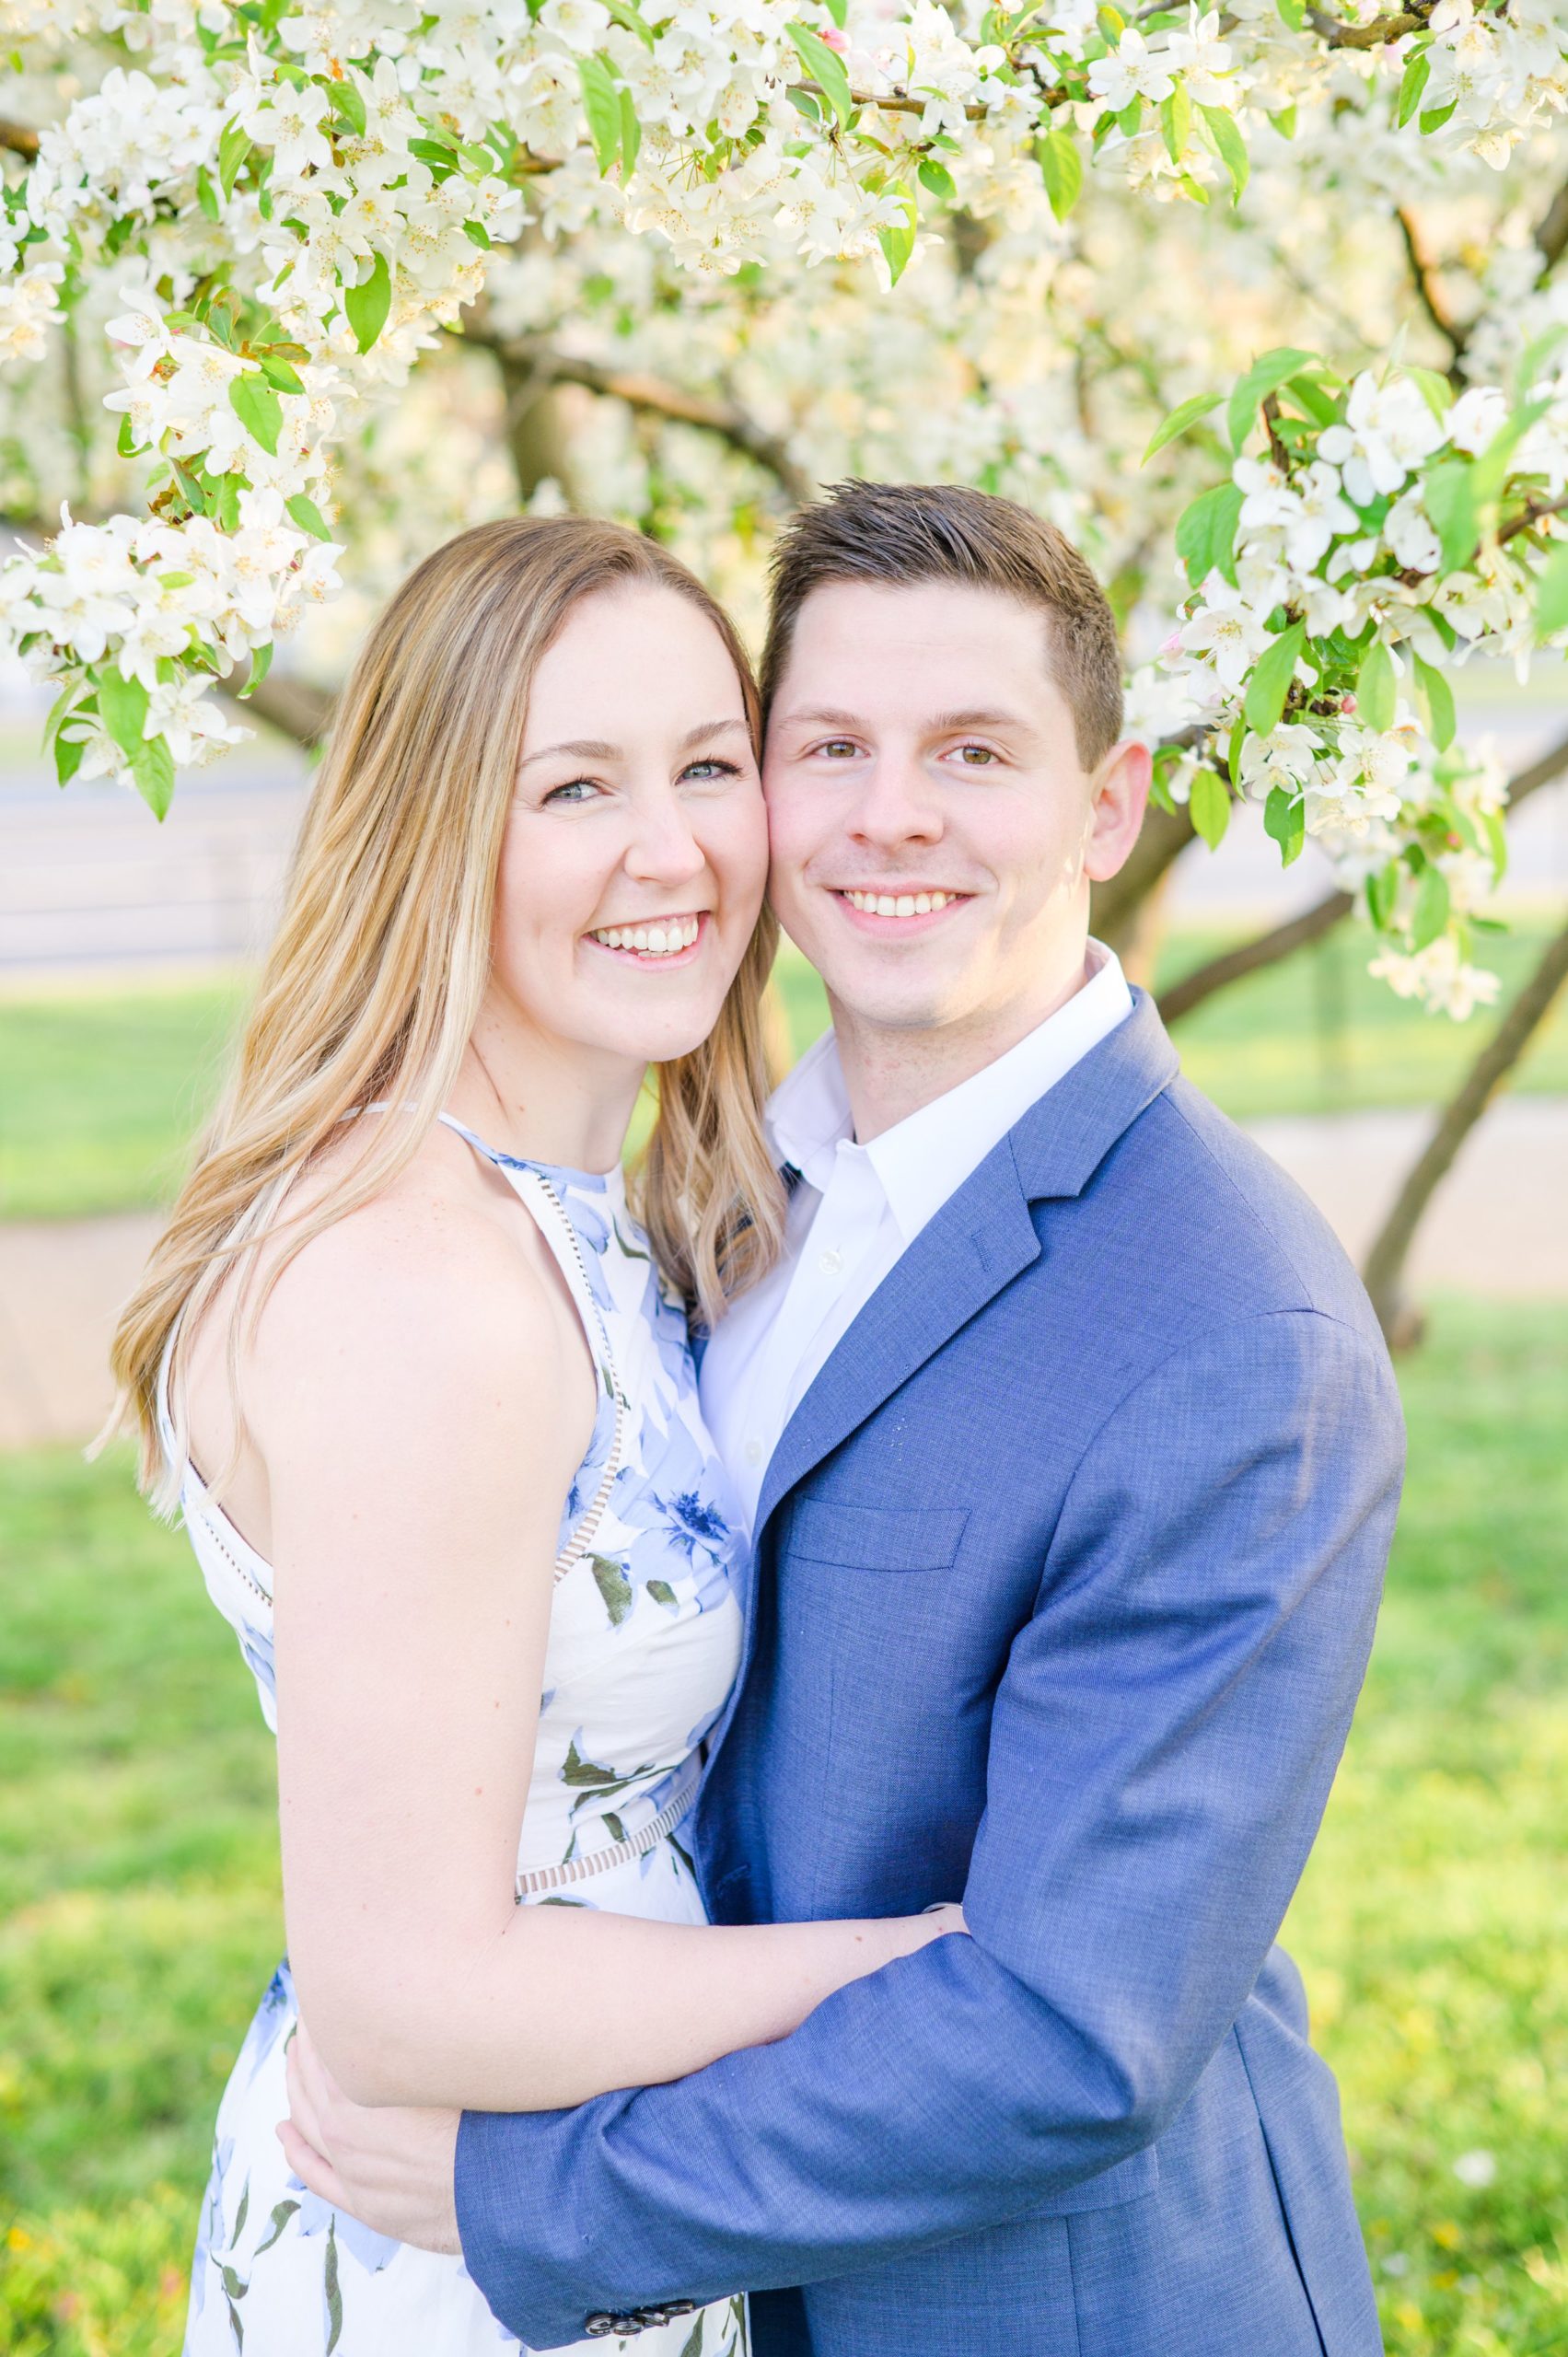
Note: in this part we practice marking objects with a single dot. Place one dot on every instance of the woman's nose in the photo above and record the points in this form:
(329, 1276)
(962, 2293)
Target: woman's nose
(664, 849)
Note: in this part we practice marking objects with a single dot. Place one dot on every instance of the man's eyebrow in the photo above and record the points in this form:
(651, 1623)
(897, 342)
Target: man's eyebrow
(597, 748)
(821, 715)
(942, 723)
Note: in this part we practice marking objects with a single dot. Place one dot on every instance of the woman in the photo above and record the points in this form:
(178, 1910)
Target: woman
(440, 1380)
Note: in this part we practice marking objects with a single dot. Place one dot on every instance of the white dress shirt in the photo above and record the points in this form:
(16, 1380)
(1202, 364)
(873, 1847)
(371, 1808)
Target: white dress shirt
(858, 1208)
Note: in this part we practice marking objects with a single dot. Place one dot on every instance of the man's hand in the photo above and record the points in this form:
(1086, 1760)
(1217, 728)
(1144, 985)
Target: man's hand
(392, 2169)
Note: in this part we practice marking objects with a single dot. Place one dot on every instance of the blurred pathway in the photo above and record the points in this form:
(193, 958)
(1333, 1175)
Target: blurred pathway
(1499, 1226)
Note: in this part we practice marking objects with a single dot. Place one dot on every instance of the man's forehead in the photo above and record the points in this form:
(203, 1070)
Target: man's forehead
(939, 656)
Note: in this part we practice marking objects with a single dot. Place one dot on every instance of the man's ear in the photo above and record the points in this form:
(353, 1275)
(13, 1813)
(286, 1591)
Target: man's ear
(1121, 798)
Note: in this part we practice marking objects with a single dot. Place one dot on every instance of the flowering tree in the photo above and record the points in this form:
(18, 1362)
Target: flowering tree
(1266, 313)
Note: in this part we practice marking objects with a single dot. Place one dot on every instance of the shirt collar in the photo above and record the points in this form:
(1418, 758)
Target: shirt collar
(924, 1160)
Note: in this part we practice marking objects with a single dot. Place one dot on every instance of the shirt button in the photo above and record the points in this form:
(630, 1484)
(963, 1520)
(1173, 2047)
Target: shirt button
(754, 1452)
(831, 1263)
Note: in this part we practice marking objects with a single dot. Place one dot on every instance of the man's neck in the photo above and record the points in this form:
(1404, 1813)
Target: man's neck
(891, 1071)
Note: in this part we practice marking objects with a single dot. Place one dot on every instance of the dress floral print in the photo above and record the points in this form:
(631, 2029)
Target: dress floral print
(644, 1638)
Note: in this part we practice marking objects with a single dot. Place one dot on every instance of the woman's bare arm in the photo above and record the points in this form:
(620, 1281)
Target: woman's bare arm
(422, 1404)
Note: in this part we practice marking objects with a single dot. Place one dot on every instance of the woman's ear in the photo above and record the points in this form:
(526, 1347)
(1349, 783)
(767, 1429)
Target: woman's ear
(1121, 798)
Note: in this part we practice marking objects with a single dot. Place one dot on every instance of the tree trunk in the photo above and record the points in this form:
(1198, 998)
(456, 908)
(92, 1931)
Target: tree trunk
(1383, 1269)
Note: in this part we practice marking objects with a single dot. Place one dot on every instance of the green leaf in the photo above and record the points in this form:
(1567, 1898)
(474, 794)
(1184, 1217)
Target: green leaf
(1435, 389)
(825, 67)
(436, 154)
(938, 180)
(206, 194)
(233, 148)
(1551, 597)
(610, 1578)
(1376, 689)
(1448, 494)
(1210, 807)
(152, 766)
(898, 243)
(1417, 73)
(261, 664)
(1309, 391)
(839, 11)
(1260, 380)
(1284, 820)
(1382, 892)
(1439, 698)
(631, 135)
(1293, 13)
(365, 306)
(1437, 118)
(69, 752)
(1269, 683)
(602, 105)
(1430, 917)
(630, 21)
(280, 373)
(661, 1591)
(1184, 414)
(1061, 168)
(258, 408)
(1205, 534)
(348, 101)
(330, 2285)
(586, 1774)
(309, 516)
(1176, 122)
(476, 232)
(122, 707)
(1230, 147)
(277, 2222)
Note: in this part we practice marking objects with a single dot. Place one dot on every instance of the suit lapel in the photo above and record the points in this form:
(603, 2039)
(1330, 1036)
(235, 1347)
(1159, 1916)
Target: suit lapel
(978, 1243)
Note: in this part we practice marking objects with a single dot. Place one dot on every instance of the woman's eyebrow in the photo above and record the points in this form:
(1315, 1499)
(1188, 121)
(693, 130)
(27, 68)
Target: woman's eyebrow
(597, 748)
(575, 748)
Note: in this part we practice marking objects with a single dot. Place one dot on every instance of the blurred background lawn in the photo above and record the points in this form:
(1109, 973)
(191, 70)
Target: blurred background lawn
(101, 1090)
(139, 1903)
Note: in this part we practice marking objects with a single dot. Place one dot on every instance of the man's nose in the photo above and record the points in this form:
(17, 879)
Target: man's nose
(897, 803)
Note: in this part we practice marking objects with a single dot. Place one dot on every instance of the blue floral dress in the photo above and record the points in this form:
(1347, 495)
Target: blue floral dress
(643, 1642)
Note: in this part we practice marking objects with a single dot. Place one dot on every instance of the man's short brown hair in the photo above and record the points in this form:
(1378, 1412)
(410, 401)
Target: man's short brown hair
(901, 535)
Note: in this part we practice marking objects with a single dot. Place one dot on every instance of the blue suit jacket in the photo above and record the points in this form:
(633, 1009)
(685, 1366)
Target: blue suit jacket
(1066, 1572)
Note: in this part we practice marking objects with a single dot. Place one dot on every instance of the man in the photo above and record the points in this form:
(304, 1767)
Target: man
(1075, 1454)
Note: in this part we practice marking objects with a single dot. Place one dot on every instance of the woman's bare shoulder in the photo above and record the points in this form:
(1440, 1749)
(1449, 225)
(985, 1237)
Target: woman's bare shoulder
(424, 1286)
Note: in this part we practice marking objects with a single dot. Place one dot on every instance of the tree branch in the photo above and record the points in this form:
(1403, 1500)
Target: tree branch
(291, 706)
(655, 397)
(1339, 35)
(1552, 237)
(1280, 940)
(1251, 957)
(1423, 274)
(19, 138)
(1383, 1269)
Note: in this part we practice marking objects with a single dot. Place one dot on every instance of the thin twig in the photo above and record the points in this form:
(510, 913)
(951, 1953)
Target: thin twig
(1423, 274)
(655, 397)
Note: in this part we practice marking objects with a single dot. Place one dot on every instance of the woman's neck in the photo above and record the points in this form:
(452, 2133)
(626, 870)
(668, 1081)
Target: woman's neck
(545, 1100)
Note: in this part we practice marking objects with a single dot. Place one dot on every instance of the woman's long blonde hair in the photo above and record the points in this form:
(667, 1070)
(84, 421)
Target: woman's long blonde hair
(374, 982)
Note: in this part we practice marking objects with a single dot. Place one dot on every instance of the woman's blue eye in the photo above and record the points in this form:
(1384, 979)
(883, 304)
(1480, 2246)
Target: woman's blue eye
(575, 790)
(710, 768)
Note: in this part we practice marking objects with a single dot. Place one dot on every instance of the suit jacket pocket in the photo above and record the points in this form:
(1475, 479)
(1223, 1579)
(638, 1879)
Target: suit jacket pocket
(875, 1539)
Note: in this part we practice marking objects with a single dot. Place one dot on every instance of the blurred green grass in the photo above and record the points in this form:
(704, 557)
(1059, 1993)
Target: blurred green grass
(100, 1095)
(140, 1907)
